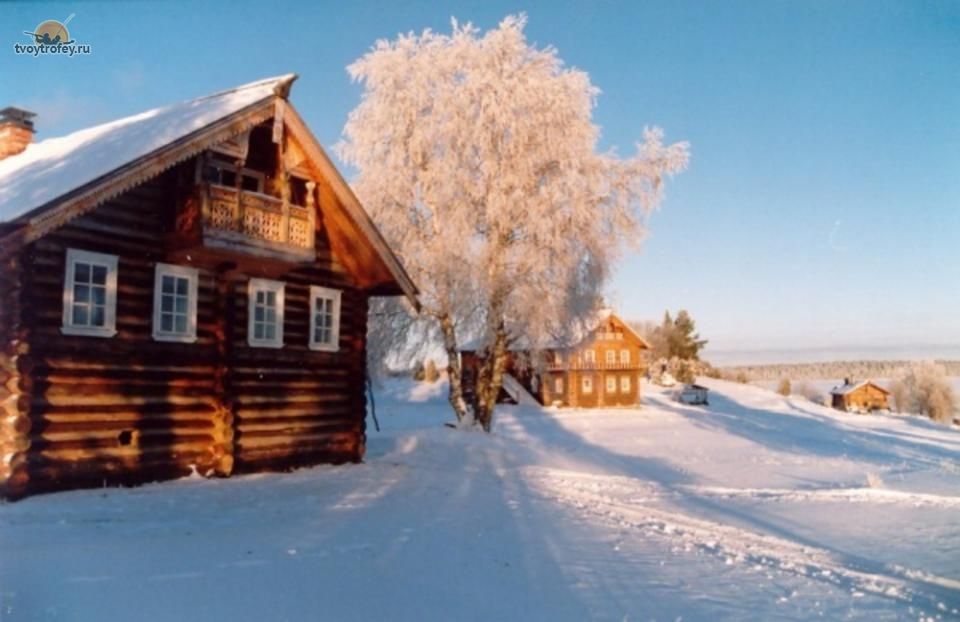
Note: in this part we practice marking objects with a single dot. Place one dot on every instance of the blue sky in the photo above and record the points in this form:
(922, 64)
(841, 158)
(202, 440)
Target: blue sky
(822, 205)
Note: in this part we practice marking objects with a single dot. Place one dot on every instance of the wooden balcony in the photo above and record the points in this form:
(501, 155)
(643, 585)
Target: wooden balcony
(255, 223)
(593, 366)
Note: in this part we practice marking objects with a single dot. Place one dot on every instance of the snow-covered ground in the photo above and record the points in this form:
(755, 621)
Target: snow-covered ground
(756, 507)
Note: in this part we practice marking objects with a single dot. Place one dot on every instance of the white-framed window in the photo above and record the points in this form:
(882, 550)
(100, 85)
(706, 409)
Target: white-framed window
(611, 357)
(611, 384)
(586, 384)
(589, 356)
(624, 356)
(175, 303)
(324, 318)
(265, 313)
(558, 385)
(624, 384)
(90, 294)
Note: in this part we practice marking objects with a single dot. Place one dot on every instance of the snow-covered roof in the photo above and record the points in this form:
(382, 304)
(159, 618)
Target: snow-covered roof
(850, 387)
(54, 167)
(578, 335)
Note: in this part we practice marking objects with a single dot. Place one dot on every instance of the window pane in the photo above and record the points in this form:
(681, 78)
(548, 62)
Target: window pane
(99, 317)
(81, 273)
(271, 299)
(261, 297)
(258, 331)
(99, 295)
(167, 284)
(182, 285)
(258, 314)
(271, 315)
(99, 275)
(270, 331)
(166, 322)
(81, 316)
(182, 324)
(181, 306)
(81, 293)
(166, 304)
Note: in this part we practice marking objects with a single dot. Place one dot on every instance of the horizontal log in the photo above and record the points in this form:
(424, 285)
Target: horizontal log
(120, 393)
(138, 437)
(293, 428)
(255, 441)
(106, 400)
(91, 455)
(79, 423)
(126, 378)
(14, 444)
(342, 412)
(15, 425)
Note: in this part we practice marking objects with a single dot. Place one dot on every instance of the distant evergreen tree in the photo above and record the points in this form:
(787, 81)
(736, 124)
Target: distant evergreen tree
(686, 341)
(685, 372)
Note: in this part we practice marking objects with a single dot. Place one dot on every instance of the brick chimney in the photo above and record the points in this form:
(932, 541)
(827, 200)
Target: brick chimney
(16, 131)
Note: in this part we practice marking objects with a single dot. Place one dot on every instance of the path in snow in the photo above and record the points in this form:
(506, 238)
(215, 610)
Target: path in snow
(757, 507)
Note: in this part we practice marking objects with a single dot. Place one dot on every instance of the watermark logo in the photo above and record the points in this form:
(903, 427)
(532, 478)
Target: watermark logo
(51, 37)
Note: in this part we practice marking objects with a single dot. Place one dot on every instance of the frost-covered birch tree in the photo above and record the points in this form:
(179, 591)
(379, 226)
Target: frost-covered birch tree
(478, 159)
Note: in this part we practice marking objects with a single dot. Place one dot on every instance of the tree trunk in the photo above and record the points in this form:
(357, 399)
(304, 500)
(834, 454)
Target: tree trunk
(490, 378)
(454, 370)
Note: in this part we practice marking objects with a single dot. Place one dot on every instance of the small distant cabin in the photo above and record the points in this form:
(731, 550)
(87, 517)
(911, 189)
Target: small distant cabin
(183, 291)
(603, 369)
(694, 395)
(864, 396)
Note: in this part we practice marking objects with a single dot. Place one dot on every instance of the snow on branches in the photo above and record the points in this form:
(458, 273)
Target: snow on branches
(477, 158)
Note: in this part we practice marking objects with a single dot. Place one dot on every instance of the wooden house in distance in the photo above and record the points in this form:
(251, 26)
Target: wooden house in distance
(184, 289)
(864, 396)
(603, 369)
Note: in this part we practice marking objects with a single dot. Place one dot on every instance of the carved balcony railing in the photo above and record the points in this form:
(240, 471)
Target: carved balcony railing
(240, 217)
(594, 365)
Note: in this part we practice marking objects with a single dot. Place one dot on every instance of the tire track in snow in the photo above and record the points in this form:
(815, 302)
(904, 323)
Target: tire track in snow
(861, 495)
(626, 502)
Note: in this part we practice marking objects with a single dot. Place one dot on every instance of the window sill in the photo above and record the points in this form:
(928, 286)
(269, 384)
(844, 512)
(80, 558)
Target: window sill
(86, 331)
(273, 345)
(322, 347)
(174, 338)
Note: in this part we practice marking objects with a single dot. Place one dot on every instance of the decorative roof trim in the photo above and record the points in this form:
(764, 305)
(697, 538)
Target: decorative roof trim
(354, 209)
(54, 214)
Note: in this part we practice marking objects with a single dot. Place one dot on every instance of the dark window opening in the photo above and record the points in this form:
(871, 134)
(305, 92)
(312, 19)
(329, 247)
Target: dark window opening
(298, 191)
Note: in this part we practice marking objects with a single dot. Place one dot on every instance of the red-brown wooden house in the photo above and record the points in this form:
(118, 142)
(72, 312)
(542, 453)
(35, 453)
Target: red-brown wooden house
(863, 397)
(604, 368)
(184, 289)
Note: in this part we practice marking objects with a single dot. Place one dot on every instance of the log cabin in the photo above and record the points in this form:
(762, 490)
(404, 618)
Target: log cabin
(603, 368)
(184, 290)
(863, 397)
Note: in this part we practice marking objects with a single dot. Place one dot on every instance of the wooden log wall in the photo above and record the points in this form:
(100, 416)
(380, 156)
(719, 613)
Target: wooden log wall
(86, 411)
(295, 406)
(14, 388)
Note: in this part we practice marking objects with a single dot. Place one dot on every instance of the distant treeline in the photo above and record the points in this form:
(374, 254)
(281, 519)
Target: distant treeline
(835, 369)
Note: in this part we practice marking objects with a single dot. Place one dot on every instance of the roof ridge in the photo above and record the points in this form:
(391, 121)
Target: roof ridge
(282, 88)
